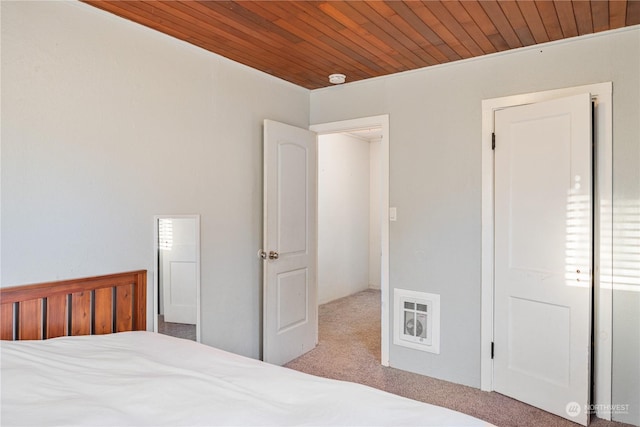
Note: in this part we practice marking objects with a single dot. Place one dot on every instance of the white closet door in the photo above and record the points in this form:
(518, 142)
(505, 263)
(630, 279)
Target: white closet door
(543, 234)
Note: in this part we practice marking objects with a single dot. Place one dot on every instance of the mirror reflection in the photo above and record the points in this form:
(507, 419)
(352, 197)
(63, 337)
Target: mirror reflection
(178, 273)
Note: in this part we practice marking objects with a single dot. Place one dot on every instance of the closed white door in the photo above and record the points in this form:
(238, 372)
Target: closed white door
(178, 279)
(290, 227)
(543, 234)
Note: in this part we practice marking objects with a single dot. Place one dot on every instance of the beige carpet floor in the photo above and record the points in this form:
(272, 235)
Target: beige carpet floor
(349, 349)
(178, 330)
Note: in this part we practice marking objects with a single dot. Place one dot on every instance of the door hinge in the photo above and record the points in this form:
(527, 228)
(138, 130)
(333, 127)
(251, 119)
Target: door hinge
(493, 141)
(492, 349)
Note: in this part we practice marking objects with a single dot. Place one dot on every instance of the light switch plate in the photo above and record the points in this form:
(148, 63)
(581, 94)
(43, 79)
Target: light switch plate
(393, 214)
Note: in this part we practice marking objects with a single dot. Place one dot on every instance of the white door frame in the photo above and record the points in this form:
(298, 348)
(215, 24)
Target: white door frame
(156, 267)
(601, 93)
(381, 121)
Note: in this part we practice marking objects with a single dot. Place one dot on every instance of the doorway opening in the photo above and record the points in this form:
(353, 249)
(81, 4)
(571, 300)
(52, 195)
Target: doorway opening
(353, 207)
(348, 213)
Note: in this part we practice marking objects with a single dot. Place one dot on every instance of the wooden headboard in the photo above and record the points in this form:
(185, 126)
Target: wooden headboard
(87, 306)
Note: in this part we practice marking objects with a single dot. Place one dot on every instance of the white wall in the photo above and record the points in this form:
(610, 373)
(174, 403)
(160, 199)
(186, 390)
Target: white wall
(105, 124)
(375, 236)
(343, 216)
(435, 181)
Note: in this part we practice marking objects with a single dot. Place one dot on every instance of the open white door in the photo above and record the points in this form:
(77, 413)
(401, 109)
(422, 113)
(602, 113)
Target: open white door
(543, 255)
(290, 324)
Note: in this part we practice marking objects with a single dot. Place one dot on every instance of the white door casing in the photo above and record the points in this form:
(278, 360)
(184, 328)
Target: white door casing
(290, 242)
(543, 252)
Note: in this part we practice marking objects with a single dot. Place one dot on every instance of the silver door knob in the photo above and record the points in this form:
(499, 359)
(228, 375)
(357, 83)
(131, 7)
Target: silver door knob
(274, 255)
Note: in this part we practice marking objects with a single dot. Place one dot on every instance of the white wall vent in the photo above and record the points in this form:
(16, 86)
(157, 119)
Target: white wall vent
(417, 320)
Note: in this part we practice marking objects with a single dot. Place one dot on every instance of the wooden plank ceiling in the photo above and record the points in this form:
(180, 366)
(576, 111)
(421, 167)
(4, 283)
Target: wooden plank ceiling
(305, 41)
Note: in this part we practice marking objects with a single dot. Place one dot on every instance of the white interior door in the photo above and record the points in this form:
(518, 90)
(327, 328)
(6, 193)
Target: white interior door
(178, 261)
(543, 234)
(290, 227)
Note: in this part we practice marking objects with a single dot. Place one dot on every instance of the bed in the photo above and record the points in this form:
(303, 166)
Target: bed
(77, 353)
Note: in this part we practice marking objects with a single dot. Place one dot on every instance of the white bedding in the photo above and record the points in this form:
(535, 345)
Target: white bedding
(147, 379)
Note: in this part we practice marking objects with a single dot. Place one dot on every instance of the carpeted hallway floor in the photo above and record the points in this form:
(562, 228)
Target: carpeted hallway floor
(179, 330)
(349, 349)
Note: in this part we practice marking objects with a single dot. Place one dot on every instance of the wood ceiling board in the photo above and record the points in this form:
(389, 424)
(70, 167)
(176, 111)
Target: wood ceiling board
(470, 26)
(326, 37)
(617, 13)
(371, 24)
(425, 45)
(633, 13)
(499, 19)
(567, 18)
(362, 38)
(487, 27)
(600, 15)
(225, 44)
(313, 43)
(246, 19)
(549, 17)
(531, 15)
(582, 11)
(456, 48)
(517, 22)
(243, 37)
(305, 41)
(455, 26)
(398, 40)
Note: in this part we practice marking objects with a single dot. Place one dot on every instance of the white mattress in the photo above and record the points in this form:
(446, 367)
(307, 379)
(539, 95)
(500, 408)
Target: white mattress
(147, 379)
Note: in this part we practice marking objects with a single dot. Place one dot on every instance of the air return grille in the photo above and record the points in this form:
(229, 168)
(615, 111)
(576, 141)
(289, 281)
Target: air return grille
(417, 320)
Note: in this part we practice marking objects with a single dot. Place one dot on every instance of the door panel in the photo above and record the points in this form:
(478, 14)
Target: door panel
(292, 198)
(543, 249)
(290, 227)
(550, 361)
(178, 258)
(293, 295)
(183, 279)
(538, 177)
